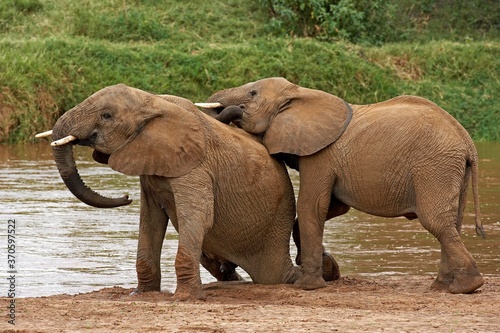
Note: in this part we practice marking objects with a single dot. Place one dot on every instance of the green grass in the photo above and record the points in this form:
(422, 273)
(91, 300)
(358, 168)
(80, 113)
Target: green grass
(55, 53)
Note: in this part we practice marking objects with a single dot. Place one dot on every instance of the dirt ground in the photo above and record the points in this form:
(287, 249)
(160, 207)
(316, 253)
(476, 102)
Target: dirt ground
(375, 304)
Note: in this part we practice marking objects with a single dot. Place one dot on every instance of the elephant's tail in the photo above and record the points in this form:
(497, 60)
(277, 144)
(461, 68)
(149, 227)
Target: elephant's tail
(475, 193)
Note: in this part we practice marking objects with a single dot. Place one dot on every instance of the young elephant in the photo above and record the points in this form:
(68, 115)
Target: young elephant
(402, 157)
(228, 199)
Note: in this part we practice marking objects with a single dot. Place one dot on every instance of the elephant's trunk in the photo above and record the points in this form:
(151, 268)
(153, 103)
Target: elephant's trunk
(63, 155)
(230, 114)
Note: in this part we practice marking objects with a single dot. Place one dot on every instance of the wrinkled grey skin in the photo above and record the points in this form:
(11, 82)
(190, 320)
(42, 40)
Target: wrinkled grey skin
(402, 157)
(231, 203)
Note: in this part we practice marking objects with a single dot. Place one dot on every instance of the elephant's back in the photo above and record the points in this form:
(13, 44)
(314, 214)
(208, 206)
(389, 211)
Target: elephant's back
(254, 207)
(407, 118)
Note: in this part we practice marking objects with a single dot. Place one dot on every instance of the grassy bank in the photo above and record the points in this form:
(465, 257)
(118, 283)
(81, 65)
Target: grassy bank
(54, 54)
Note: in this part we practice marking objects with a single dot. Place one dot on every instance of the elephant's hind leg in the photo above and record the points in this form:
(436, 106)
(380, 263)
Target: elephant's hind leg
(458, 272)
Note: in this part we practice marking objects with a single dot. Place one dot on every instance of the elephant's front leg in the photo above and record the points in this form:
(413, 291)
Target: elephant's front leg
(331, 270)
(312, 208)
(194, 204)
(152, 228)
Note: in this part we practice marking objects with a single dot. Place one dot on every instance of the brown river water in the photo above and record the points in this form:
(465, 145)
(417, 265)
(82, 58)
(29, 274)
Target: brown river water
(65, 246)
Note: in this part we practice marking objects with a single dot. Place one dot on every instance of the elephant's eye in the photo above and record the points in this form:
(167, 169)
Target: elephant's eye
(106, 115)
(253, 93)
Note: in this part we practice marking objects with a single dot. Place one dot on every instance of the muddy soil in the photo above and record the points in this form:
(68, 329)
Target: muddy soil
(361, 304)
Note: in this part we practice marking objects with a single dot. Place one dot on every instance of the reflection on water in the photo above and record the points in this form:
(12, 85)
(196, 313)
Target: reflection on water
(65, 246)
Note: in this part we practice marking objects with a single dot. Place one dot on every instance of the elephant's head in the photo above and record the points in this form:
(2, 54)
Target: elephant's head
(135, 132)
(293, 119)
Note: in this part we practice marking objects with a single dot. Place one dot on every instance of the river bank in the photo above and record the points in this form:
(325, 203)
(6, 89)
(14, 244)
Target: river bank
(371, 304)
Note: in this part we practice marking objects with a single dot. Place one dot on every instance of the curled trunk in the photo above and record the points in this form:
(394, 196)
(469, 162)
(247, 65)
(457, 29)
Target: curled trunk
(230, 114)
(63, 155)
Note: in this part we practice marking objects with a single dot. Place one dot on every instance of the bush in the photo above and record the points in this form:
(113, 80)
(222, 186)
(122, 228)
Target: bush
(359, 21)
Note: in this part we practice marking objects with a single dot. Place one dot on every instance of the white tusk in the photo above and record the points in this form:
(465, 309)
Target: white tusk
(64, 140)
(208, 105)
(44, 134)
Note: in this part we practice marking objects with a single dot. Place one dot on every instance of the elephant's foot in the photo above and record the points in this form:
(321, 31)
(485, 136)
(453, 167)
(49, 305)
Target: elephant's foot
(232, 276)
(440, 285)
(331, 269)
(443, 280)
(135, 292)
(143, 288)
(459, 283)
(310, 282)
(228, 271)
(466, 282)
(183, 294)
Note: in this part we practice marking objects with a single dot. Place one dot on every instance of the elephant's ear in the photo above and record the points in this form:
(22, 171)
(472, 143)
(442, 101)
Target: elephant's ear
(308, 123)
(170, 145)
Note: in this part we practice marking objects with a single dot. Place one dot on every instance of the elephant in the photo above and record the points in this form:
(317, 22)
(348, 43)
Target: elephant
(402, 157)
(230, 202)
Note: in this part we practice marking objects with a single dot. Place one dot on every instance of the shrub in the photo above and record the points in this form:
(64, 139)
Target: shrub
(359, 21)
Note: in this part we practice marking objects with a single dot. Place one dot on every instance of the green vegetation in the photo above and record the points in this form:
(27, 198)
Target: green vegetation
(379, 21)
(55, 53)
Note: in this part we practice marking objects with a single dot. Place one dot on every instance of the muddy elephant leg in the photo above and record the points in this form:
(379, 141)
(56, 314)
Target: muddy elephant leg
(331, 270)
(458, 272)
(312, 207)
(195, 214)
(335, 209)
(152, 228)
(311, 233)
(445, 273)
(187, 270)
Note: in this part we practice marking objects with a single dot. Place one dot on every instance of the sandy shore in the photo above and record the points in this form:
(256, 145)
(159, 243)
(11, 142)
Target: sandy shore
(375, 304)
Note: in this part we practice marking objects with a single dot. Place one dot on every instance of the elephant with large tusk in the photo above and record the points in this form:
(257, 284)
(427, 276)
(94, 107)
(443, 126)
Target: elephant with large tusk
(402, 157)
(231, 203)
